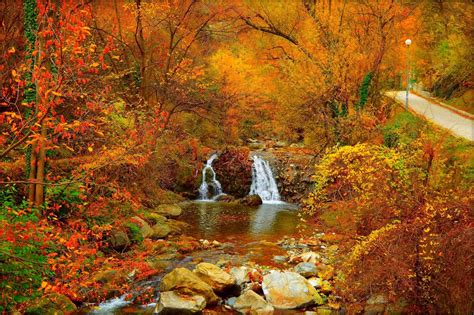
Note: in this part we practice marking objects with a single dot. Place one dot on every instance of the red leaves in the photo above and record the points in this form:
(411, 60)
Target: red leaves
(73, 242)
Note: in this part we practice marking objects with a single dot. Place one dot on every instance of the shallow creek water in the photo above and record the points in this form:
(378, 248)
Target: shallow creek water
(229, 222)
(246, 234)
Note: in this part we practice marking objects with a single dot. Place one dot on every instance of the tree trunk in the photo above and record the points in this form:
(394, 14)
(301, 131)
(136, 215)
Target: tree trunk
(141, 47)
(31, 95)
(39, 192)
(32, 176)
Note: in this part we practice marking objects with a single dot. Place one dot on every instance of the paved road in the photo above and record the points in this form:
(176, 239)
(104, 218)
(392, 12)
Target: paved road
(458, 125)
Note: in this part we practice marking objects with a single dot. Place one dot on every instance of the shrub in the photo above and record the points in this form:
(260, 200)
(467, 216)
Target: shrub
(403, 129)
(410, 209)
(135, 233)
(370, 181)
(23, 263)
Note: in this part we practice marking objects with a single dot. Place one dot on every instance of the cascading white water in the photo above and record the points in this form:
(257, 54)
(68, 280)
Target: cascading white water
(204, 188)
(263, 182)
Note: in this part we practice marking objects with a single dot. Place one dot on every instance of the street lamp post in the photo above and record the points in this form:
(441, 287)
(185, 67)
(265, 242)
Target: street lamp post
(408, 43)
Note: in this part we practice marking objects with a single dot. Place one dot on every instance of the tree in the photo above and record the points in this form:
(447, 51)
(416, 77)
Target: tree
(165, 47)
(327, 50)
(57, 68)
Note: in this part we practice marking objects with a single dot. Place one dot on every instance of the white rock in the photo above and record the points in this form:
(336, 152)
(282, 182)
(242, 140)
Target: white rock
(252, 303)
(241, 274)
(217, 278)
(171, 301)
(288, 290)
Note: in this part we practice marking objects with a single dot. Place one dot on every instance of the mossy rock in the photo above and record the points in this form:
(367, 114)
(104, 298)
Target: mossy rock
(119, 240)
(160, 230)
(154, 218)
(169, 210)
(51, 304)
(162, 261)
(105, 276)
(145, 229)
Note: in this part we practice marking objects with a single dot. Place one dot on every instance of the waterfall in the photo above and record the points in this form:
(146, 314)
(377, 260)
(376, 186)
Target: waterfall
(204, 188)
(263, 182)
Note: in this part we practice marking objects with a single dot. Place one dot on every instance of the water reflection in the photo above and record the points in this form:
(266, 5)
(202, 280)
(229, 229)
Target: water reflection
(223, 221)
(273, 218)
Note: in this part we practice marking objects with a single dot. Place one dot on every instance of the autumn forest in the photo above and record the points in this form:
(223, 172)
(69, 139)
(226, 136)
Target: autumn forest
(236, 157)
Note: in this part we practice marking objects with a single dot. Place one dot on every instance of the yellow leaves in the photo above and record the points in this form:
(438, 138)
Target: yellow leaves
(364, 247)
(13, 115)
(90, 149)
(45, 286)
(56, 93)
(95, 65)
(11, 50)
(86, 30)
(92, 47)
(326, 273)
(78, 50)
(14, 74)
(334, 305)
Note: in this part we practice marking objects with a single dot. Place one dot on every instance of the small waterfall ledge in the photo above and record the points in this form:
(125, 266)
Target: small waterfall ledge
(214, 183)
(263, 182)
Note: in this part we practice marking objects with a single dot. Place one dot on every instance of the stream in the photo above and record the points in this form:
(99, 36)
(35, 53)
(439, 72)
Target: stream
(236, 233)
(231, 222)
(245, 233)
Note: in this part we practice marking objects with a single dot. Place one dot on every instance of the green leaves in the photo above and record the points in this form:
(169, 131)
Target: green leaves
(22, 262)
(364, 91)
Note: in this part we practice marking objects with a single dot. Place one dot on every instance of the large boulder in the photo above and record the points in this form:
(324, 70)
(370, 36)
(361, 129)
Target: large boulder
(217, 278)
(169, 210)
(119, 240)
(171, 302)
(251, 200)
(154, 217)
(160, 230)
(252, 303)
(145, 229)
(51, 304)
(289, 290)
(188, 283)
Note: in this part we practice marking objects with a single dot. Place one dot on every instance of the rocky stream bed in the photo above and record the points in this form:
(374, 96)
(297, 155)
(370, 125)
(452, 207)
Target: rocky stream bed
(251, 260)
